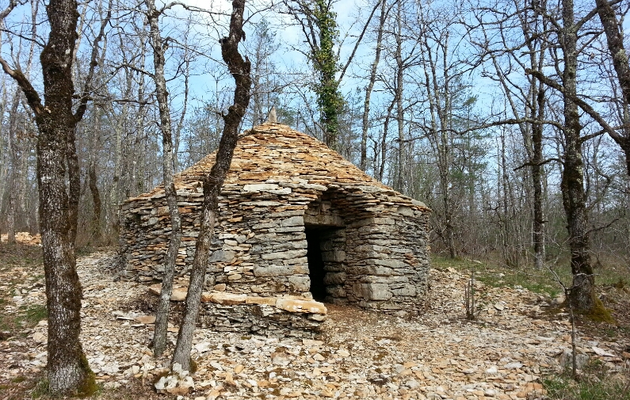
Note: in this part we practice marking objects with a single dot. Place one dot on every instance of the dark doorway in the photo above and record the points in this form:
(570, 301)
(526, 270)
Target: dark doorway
(316, 262)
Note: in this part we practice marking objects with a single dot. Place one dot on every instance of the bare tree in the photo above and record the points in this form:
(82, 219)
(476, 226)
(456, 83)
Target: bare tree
(378, 48)
(439, 87)
(170, 259)
(526, 101)
(57, 174)
(240, 70)
(18, 139)
(265, 83)
(582, 295)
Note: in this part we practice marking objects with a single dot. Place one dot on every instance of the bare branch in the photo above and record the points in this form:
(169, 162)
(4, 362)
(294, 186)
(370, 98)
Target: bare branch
(531, 164)
(87, 86)
(582, 104)
(359, 39)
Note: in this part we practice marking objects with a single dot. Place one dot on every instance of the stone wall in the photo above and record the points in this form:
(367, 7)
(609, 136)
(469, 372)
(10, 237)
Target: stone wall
(387, 264)
(258, 319)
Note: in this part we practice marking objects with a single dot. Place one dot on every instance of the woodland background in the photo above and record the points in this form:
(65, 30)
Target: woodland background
(436, 99)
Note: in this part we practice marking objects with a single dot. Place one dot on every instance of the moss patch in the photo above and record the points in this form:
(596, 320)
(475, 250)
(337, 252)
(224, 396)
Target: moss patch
(599, 313)
(89, 386)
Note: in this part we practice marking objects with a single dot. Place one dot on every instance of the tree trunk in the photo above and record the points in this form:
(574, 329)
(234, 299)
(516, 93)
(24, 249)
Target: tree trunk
(96, 201)
(325, 61)
(170, 260)
(67, 366)
(582, 294)
(74, 184)
(538, 233)
(531, 109)
(381, 169)
(240, 70)
(57, 169)
(14, 176)
(92, 178)
(68, 370)
(4, 162)
(438, 92)
(614, 40)
(398, 96)
(370, 86)
(116, 194)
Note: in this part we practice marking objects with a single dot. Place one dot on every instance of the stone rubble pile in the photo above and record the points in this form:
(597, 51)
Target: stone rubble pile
(23, 238)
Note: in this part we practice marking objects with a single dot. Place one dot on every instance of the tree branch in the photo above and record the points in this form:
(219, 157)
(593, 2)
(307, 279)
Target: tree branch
(531, 164)
(582, 104)
(87, 86)
(358, 42)
(33, 98)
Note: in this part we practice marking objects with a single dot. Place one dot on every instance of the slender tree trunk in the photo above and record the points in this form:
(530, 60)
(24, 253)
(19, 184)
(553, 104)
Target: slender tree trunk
(74, 184)
(398, 95)
(240, 70)
(96, 200)
(138, 180)
(93, 181)
(116, 194)
(182, 116)
(438, 92)
(4, 161)
(582, 294)
(537, 46)
(443, 161)
(170, 260)
(22, 210)
(388, 117)
(508, 251)
(537, 171)
(533, 27)
(12, 187)
(370, 87)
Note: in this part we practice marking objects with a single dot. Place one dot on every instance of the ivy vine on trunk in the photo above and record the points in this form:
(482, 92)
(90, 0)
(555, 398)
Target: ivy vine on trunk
(325, 63)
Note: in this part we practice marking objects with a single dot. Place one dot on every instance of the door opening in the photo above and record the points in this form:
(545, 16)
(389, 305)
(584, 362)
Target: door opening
(316, 263)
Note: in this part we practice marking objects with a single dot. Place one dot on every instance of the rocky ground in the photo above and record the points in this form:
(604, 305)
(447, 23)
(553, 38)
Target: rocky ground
(504, 354)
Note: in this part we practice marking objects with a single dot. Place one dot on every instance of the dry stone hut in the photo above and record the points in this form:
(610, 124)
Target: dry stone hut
(296, 222)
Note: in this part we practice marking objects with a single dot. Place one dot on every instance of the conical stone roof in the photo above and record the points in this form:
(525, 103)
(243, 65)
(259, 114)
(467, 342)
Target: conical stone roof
(273, 153)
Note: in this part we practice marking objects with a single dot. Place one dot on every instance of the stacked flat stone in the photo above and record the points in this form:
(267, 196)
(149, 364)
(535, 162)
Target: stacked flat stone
(281, 182)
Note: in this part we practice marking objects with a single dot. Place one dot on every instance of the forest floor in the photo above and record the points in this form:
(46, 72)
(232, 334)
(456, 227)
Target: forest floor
(516, 348)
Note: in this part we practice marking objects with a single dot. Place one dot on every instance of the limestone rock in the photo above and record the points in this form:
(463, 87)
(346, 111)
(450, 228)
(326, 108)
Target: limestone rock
(304, 306)
(146, 319)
